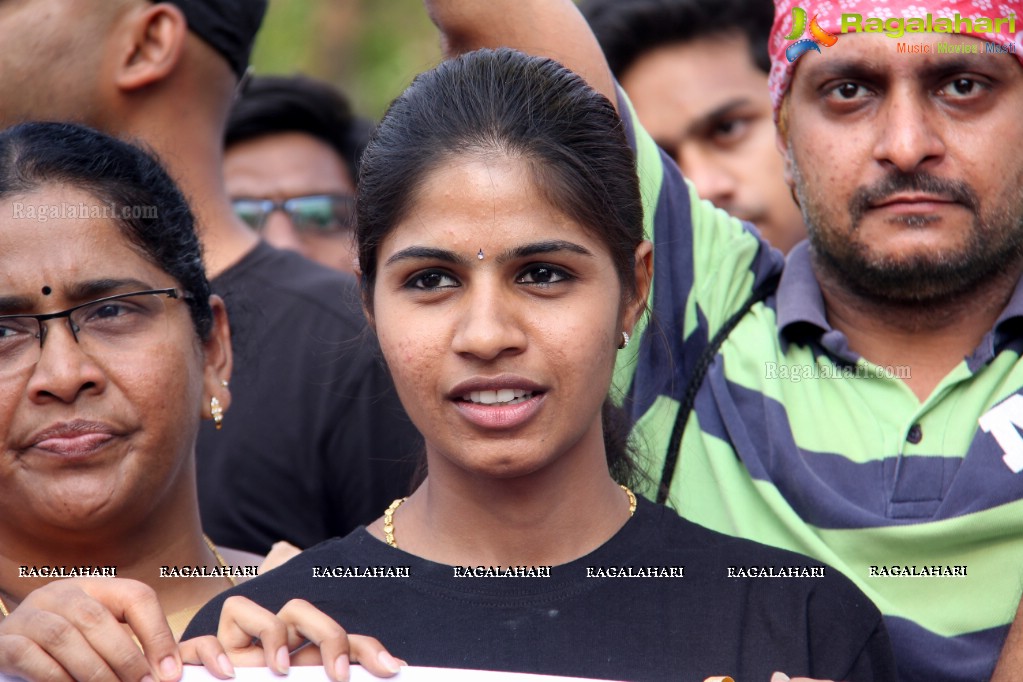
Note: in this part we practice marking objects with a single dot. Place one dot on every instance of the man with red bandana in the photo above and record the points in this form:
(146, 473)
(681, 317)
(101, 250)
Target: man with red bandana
(861, 401)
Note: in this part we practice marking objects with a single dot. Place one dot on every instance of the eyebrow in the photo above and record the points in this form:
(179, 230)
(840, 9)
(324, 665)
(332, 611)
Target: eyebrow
(80, 291)
(932, 69)
(427, 253)
(544, 247)
(524, 251)
(705, 121)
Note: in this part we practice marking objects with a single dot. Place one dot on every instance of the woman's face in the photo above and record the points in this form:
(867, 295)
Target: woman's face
(499, 317)
(95, 435)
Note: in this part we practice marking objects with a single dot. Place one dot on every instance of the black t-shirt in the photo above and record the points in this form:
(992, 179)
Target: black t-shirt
(582, 622)
(315, 442)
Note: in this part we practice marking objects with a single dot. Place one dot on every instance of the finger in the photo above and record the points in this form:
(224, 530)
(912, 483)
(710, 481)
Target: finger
(724, 678)
(97, 605)
(242, 619)
(371, 654)
(779, 677)
(336, 648)
(21, 657)
(63, 643)
(209, 652)
(97, 614)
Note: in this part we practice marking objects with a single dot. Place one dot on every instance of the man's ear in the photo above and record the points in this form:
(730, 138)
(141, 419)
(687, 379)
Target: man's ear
(218, 358)
(644, 274)
(154, 40)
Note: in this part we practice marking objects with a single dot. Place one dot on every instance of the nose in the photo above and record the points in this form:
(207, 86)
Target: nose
(64, 370)
(279, 231)
(713, 181)
(489, 325)
(907, 137)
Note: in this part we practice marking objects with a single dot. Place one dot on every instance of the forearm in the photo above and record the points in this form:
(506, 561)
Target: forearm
(1011, 660)
(549, 28)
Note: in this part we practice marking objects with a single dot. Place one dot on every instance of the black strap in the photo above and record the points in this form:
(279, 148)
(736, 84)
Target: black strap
(766, 288)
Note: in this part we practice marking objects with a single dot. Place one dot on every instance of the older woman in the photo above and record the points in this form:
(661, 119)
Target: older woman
(112, 351)
(503, 266)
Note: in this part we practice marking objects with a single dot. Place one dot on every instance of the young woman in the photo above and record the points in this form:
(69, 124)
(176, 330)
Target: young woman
(503, 267)
(112, 351)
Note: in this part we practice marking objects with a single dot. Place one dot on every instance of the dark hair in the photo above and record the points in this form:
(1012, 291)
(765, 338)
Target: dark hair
(158, 220)
(289, 104)
(531, 108)
(627, 29)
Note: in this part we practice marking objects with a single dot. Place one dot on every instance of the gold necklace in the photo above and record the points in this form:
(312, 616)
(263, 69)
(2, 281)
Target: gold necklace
(209, 543)
(389, 515)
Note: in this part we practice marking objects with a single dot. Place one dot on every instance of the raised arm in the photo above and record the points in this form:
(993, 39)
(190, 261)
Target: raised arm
(548, 28)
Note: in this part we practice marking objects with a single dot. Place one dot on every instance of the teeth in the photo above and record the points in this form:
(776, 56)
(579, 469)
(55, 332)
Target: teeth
(505, 396)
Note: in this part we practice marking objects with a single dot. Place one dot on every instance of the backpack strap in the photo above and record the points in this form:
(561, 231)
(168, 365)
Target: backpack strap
(765, 289)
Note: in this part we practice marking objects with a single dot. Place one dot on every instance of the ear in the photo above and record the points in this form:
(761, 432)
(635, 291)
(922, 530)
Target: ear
(218, 358)
(644, 274)
(782, 142)
(155, 41)
(364, 296)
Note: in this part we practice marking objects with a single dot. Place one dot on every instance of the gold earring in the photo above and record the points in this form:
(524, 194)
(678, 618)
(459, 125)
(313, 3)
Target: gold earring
(625, 340)
(217, 411)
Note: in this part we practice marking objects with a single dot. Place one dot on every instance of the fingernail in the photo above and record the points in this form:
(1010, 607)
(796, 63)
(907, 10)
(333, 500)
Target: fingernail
(283, 660)
(389, 662)
(169, 668)
(224, 663)
(148, 678)
(404, 664)
(341, 668)
(779, 677)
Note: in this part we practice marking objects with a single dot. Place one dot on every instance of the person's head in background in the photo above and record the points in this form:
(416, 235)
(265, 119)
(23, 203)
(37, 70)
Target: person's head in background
(161, 72)
(291, 157)
(696, 72)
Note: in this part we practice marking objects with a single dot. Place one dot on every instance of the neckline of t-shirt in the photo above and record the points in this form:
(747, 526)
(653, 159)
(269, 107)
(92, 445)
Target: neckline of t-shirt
(623, 549)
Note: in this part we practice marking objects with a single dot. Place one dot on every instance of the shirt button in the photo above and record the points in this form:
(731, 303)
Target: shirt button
(915, 435)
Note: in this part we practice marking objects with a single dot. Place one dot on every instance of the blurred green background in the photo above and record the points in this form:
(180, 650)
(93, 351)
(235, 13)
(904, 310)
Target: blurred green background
(371, 49)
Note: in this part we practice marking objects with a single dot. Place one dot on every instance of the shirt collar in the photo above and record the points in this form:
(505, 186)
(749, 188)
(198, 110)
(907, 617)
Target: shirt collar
(799, 296)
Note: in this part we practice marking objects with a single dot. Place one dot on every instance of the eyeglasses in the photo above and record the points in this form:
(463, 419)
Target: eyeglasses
(112, 324)
(314, 214)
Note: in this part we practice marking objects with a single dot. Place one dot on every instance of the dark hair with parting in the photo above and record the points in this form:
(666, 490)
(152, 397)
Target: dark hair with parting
(299, 104)
(35, 155)
(504, 102)
(627, 29)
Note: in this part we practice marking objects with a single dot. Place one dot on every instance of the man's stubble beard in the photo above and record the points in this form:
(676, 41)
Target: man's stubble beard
(993, 246)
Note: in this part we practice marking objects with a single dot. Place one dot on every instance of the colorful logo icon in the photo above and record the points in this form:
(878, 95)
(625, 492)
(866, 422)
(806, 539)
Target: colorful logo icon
(818, 36)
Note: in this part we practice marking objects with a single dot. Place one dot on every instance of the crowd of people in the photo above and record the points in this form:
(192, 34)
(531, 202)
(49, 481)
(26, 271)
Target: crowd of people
(630, 344)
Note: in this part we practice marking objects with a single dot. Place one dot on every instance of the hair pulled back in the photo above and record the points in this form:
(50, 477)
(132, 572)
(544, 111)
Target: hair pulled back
(503, 102)
(148, 206)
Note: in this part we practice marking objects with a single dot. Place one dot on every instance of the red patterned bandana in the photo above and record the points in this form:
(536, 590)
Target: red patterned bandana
(802, 26)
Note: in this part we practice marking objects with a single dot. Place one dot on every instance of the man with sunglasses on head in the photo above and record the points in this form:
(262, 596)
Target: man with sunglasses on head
(314, 441)
(291, 156)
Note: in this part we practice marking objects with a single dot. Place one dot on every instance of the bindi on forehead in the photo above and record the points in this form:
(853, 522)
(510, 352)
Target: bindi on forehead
(47, 290)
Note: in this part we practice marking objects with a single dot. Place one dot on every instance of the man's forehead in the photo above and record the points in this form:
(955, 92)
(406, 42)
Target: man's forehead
(804, 26)
(926, 56)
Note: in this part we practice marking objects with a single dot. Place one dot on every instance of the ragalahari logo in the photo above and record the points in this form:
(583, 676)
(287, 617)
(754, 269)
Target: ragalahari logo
(818, 36)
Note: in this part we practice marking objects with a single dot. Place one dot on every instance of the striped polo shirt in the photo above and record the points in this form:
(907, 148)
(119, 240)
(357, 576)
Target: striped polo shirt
(796, 441)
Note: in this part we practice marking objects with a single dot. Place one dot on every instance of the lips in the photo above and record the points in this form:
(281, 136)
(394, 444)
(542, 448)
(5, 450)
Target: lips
(910, 201)
(75, 439)
(501, 402)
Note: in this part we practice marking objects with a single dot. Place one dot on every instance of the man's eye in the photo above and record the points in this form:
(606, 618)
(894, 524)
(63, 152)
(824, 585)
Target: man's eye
(847, 91)
(431, 280)
(729, 130)
(961, 87)
(542, 274)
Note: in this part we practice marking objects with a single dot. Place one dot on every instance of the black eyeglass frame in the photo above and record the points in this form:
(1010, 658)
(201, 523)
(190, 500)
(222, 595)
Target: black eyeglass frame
(43, 317)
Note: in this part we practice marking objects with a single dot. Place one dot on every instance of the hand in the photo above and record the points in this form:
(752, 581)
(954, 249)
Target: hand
(73, 629)
(299, 634)
(782, 677)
